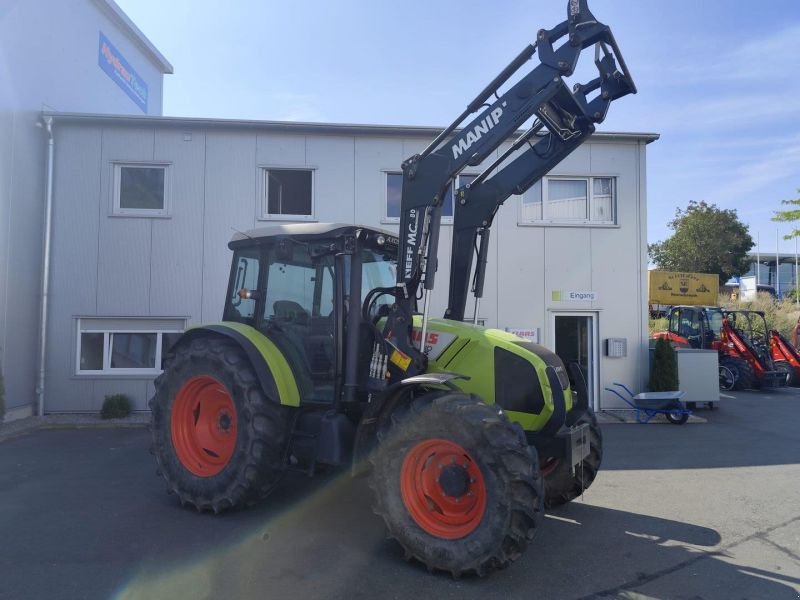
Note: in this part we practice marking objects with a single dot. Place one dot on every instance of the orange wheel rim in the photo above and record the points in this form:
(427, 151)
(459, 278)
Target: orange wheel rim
(443, 489)
(203, 426)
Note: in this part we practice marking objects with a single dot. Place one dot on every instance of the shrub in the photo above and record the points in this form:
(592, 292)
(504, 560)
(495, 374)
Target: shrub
(655, 325)
(780, 315)
(117, 406)
(664, 373)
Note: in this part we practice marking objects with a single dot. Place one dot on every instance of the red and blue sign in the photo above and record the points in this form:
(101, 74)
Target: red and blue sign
(114, 64)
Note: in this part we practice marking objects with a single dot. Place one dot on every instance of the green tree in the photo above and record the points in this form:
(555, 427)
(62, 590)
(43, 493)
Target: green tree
(789, 216)
(707, 239)
(664, 372)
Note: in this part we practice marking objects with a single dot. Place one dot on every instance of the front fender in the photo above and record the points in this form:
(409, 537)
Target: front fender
(380, 409)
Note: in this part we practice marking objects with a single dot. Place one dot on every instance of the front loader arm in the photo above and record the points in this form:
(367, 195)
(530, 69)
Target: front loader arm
(541, 93)
(476, 203)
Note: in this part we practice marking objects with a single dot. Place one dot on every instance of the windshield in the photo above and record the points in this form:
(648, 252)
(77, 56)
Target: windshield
(715, 319)
(377, 271)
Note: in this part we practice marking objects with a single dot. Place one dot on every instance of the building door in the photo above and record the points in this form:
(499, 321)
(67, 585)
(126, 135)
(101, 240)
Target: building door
(575, 340)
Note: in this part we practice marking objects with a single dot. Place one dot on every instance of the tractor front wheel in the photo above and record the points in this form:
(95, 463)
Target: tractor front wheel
(219, 441)
(456, 484)
(562, 484)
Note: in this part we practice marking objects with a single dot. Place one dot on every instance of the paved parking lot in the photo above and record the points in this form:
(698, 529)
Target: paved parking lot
(706, 510)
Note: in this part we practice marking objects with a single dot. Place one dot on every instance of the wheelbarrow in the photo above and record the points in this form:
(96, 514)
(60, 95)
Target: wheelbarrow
(649, 404)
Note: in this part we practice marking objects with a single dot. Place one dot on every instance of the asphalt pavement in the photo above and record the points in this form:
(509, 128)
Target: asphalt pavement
(702, 511)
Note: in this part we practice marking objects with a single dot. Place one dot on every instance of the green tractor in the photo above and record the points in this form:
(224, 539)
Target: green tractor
(322, 358)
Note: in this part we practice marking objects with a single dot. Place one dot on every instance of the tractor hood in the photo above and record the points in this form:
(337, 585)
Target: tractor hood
(503, 369)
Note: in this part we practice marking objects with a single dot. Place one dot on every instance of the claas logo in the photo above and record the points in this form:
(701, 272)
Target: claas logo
(432, 337)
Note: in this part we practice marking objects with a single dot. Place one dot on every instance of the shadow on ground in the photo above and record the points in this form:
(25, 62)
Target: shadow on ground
(87, 519)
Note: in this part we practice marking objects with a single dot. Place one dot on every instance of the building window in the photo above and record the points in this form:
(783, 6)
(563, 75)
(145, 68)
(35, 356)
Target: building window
(394, 190)
(287, 194)
(141, 190)
(112, 346)
(571, 201)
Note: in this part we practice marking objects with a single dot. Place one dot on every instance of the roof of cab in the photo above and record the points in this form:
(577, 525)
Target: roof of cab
(297, 229)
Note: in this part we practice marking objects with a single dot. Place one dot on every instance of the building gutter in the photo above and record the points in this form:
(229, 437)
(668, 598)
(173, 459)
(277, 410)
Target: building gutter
(48, 220)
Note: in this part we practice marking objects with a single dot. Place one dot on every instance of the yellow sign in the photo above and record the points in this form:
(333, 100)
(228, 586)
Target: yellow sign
(400, 359)
(696, 289)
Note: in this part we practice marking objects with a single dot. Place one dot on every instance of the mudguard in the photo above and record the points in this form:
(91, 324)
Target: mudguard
(270, 365)
(380, 409)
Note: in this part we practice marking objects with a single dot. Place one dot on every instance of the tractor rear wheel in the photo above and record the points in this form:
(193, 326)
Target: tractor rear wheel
(560, 484)
(742, 372)
(456, 484)
(219, 441)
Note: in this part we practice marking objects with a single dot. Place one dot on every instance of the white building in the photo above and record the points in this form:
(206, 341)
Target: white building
(128, 271)
(567, 263)
(81, 55)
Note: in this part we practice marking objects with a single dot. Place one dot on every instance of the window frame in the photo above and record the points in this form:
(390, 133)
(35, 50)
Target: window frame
(116, 197)
(107, 369)
(385, 218)
(586, 222)
(263, 213)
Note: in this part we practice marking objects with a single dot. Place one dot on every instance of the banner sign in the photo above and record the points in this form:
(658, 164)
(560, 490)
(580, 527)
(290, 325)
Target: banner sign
(526, 333)
(668, 287)
(117, 68)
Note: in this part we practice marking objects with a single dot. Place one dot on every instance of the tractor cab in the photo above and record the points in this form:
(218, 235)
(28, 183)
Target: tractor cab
(294, 284)
(695, 326)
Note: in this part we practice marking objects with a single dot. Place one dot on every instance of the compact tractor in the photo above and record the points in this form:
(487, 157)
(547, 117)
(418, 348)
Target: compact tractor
(785, 355)
(322, 357)
(772, 368)
(734, 335)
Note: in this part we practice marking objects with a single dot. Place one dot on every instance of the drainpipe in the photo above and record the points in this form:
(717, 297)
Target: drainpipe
(48, 219)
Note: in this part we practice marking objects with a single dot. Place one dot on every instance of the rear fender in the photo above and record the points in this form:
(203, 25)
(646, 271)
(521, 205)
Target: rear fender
(269, 364)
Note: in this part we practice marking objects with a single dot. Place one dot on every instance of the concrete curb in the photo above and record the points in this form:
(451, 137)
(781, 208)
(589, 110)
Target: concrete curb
(617, 417)
(28, 425)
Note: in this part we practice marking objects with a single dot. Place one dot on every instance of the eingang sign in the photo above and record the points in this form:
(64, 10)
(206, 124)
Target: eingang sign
(668, 287)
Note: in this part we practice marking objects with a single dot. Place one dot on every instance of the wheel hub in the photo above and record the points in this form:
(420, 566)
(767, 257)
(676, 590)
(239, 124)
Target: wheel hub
(225, 421)
(454, 481)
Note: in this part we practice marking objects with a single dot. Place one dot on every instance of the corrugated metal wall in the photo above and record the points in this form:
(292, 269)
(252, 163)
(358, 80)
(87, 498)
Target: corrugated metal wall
(105, 265)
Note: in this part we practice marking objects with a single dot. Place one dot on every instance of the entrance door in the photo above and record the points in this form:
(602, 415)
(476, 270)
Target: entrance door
(576, 341)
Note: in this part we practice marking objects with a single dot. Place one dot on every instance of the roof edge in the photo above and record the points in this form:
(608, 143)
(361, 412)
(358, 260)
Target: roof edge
(112, 9)
(296, 126)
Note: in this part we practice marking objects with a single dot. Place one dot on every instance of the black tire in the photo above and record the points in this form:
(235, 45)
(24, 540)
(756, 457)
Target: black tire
(677, 417)
(560, 485)
(257, 460)
(727, 379)
(507, 466)
(785, 368)
(742, 371)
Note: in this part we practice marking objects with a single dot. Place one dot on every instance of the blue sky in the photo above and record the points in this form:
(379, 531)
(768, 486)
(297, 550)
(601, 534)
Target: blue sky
(719, 80)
